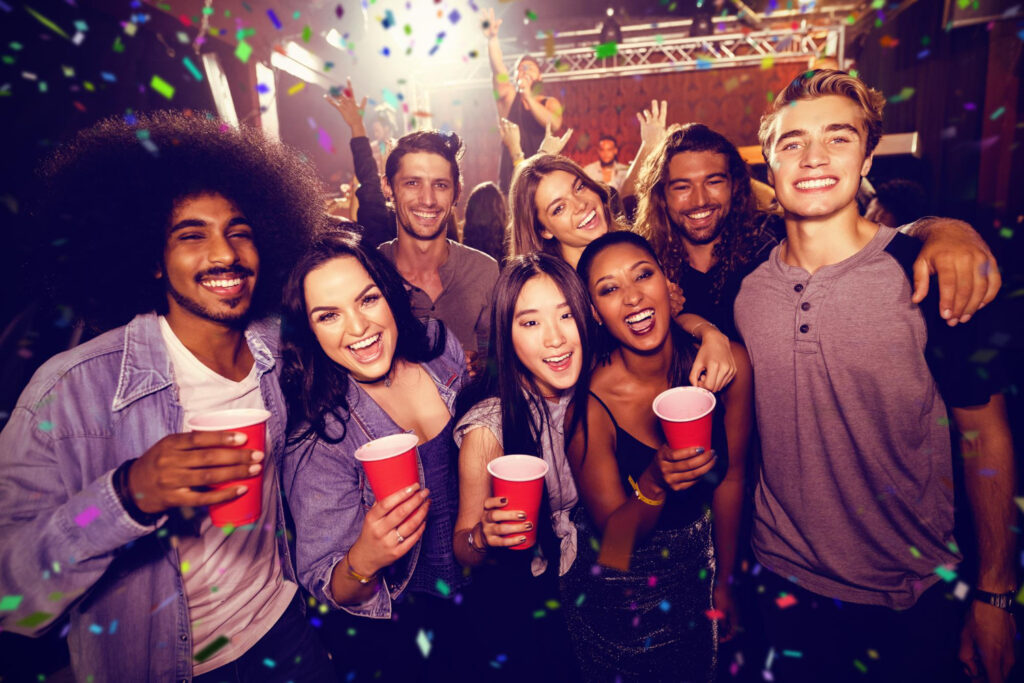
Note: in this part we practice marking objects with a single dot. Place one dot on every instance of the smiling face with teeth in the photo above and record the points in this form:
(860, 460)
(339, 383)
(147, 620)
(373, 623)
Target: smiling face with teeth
(423, 191)
(698, 195)
(350, 318)
(818, 157)
(546, 337)
(210, 261)
(630, 296)
(569, 211)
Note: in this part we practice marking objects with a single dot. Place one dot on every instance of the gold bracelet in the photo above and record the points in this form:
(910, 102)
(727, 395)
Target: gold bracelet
(702, 322)
(353, 574)
(641, 497)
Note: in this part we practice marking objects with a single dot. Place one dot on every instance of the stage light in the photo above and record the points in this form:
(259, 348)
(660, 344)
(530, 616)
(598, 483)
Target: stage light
(220, 89)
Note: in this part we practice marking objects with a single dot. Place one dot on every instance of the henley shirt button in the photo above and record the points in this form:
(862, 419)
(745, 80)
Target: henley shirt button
(799, 288)
(805, 328)
(805, 306)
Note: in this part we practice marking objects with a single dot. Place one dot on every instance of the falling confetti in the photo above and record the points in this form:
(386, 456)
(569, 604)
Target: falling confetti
(87, 516)
(162, 87)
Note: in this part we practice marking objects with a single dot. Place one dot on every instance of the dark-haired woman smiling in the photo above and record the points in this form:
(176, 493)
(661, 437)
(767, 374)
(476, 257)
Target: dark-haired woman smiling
(645, 614)
(359, 366)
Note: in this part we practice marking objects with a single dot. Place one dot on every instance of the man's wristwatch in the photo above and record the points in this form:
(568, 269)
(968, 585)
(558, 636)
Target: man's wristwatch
(1001, 600)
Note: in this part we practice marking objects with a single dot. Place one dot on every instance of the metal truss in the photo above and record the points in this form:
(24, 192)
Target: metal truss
(656, 55)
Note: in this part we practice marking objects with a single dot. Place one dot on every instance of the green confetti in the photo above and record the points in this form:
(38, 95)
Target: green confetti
(531, 15)
(945, 573)
(211, 649)
(1006, 233)
(207, 11)
(539, 614)
(915, 552)
(243, 51)
(997, 113)
(34, 619)
(860, 666)
(46, 425)
(583, 596)
(307, 33)
(118, 45)
(605, 50)
(162, 87)
(47, 23)
(423, 643)
(552, 604)
(228, 528)
(9, 603)
(443, 588)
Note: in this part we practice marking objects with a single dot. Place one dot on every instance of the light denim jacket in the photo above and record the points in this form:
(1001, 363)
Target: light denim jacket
(66, 543)
(328, 493)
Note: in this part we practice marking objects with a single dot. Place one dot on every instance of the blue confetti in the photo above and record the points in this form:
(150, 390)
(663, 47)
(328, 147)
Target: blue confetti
(273, 19)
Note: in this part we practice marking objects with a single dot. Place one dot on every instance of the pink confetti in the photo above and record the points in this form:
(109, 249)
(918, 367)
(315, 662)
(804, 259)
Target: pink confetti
(714, 614)
(86, 516)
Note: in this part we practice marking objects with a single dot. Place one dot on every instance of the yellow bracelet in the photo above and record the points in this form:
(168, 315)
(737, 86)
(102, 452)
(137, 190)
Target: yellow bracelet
(353, 574)
(642, 498)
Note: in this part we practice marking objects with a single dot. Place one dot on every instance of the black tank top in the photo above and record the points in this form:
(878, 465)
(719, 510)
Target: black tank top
(682, 508)
(531, 134)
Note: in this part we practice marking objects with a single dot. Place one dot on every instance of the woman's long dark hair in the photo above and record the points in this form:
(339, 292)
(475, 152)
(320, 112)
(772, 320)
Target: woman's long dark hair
(510, 381)
(315, 386)
(683, 352)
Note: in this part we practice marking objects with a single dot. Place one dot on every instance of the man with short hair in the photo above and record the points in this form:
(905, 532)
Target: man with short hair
(103, 491)
(447, 280)
(853, 512)
(607, 169)
(519, 100)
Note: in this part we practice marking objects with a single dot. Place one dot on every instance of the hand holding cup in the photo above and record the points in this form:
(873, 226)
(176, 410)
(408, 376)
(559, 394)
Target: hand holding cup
(503, 528)
(391, 528)
(679, 469)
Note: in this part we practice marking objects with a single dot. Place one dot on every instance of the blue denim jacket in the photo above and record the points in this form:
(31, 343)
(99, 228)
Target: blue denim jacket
(66, 543)
(328, 493)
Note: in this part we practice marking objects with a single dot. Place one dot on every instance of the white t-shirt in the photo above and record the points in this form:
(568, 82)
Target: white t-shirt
(234, 584)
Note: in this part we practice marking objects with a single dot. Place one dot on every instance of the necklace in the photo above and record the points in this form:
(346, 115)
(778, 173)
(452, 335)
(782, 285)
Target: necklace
(386, 377)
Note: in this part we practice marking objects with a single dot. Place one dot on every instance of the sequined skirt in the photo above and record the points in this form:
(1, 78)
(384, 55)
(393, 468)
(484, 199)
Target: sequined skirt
(650, 623)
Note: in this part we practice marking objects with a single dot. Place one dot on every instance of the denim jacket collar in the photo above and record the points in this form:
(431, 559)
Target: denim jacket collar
(146, 365)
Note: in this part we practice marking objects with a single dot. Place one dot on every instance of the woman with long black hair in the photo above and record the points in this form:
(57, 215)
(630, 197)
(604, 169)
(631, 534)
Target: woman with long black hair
(359, 366)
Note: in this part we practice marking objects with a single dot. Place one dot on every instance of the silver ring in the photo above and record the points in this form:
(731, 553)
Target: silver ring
(401, 538)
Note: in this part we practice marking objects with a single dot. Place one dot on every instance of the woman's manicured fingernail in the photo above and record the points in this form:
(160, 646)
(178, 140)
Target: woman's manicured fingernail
(521, 515)
(529, 526)
(700, 449)
(255, 469)
(503, 500)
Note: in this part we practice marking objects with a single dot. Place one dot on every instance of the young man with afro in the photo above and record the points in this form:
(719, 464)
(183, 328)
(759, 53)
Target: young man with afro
(178, 227)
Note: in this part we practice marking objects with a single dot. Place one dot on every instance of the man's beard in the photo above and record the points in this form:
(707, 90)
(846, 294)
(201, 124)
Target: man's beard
(231, 318)
(681, 231)
(610, 163)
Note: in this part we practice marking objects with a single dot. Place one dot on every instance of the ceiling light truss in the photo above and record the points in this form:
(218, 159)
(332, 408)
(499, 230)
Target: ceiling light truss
(665, 55)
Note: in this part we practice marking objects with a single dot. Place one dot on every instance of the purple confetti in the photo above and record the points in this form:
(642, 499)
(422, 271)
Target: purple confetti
(86, 516)
(273, 19)
(325, 141)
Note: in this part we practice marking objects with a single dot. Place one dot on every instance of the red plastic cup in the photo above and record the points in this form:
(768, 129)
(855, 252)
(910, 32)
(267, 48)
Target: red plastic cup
(390, 463)
(520, 478)
(252, 422)
(685, 414)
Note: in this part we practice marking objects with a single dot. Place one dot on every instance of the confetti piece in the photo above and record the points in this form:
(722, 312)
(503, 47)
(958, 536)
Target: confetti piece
(47, 23)
(35, 618)
(703, 63)
(531, 15)
(961, 590)
(168, 600)
(339, 11)
(196, 73)
(583, 596)
(605, 50)
(784, 601)
(9, 603)
(860, 666)
(915, 552)
(665, 606)
(387, 22)
(714, 614)
(539, 614)
(296, 88)
(443, 588)
(792, 653)
(113, 627)
(997, 113)
(243, 51)
(552, 604)
(273, 19)
(95, 628)
(269, 663)
(118, 46)
(454, 16)
(767, 62)
(211, 649)
(888, 41)
(307, 33)
(423, 643)
(945, 573)
(87, 516)
(185, 566)
(45, 425)
(1006, 233)
(162, 87)
(903, 95)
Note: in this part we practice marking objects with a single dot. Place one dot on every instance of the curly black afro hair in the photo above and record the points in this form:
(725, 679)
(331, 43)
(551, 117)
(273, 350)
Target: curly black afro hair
(107, 197)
